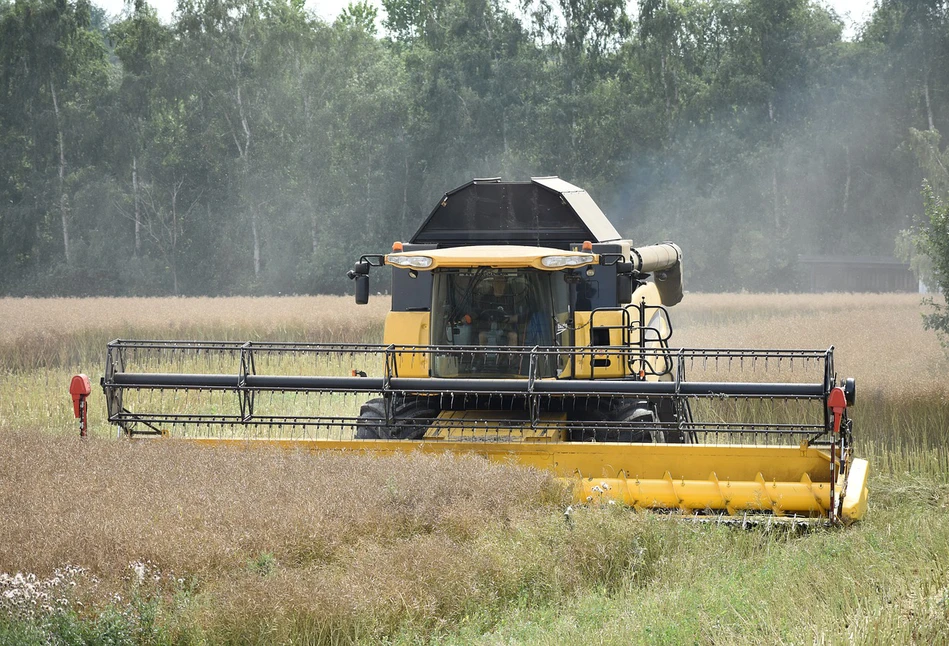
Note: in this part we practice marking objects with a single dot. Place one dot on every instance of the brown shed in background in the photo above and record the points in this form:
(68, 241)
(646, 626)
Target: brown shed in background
(856, 274)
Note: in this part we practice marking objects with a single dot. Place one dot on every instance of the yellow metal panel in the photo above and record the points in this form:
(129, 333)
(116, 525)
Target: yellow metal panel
(497, 256)
(855, 496)
(493, 425)
(608, 363)
(408, 328)
(650, 293)
(688, 477)
(711, 494)
(615, 363)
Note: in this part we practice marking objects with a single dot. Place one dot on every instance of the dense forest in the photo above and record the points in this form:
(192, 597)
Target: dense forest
(250, 148)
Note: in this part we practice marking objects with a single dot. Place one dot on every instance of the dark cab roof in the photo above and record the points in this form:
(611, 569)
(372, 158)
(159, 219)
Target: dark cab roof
(546, 211)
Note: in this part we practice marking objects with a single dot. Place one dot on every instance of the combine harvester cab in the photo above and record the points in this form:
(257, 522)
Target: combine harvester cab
(523, 327)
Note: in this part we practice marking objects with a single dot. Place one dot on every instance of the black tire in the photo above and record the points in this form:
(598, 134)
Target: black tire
(406, 412)
(625, 411)
(649, 413)
(666, 410)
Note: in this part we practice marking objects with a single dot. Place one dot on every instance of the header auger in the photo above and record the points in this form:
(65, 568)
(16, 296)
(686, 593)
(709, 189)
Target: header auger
(523, 327)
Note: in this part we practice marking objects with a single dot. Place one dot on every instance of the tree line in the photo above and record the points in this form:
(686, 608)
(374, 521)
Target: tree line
(250, 147)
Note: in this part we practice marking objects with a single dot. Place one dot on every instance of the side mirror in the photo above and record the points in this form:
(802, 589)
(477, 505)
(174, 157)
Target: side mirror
(362, 289)
(360, 273)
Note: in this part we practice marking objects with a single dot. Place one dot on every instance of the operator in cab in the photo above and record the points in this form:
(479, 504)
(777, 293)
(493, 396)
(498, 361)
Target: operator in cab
(498, 311)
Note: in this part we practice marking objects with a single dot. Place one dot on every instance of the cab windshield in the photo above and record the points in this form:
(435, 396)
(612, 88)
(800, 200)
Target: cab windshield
(497, 309)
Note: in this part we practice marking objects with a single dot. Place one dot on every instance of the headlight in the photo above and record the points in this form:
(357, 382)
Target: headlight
(566, 261)
(418, 262)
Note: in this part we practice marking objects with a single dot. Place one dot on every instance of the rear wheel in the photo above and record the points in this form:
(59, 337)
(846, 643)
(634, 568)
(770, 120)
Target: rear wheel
(411, 418)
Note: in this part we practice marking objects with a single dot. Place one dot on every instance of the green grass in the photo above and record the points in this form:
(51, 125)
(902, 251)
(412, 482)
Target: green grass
(607, 577)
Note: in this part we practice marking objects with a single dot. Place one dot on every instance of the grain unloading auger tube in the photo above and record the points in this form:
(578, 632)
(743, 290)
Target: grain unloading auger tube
(705, 432)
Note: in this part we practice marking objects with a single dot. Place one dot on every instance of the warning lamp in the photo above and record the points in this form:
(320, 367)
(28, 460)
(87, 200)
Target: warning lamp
(587, 246)
(396, 247)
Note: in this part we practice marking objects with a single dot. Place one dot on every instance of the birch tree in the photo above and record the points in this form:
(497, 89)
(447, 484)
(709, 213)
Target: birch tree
(52, 71)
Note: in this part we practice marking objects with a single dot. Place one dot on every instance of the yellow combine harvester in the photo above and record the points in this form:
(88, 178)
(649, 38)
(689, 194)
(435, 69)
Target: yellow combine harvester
(523, 327)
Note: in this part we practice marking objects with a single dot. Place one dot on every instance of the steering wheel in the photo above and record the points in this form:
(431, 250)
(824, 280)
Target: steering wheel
(494, 315)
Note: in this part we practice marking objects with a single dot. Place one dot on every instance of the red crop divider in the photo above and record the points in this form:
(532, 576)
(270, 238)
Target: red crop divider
(837, 403)
(79, 388)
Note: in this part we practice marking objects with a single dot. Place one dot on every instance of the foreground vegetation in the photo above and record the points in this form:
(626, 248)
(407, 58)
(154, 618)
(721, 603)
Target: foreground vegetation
(166, 543)
(187, 544)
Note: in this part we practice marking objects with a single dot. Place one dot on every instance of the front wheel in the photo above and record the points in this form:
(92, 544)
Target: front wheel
(411, 418)
(636, 421)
